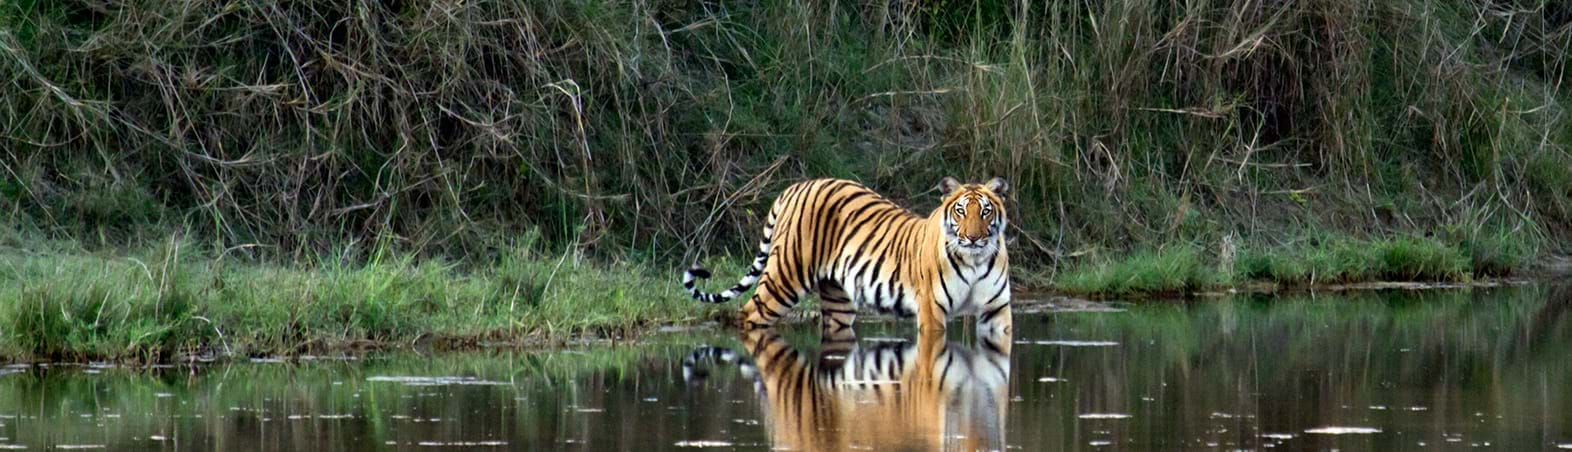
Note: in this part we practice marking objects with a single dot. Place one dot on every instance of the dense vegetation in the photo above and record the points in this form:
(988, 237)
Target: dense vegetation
(1327, 140)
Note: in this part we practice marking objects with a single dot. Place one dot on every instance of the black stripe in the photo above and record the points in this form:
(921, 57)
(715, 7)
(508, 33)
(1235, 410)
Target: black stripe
(803, 229)
(879, 221)
(790, 254)
(835, 240)
(877, 265)
(842, 262)
(991, 265)
(951, 257)
(865, 220)
(946, 286)
(992, 347)
(773, 288)
(770, 355)
(998, 369)
(988, 316)
(1002, 288)
(878, 243)
(827, 219)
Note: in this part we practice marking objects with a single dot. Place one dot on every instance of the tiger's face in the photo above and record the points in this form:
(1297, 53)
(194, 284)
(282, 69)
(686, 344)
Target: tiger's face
(974, 216)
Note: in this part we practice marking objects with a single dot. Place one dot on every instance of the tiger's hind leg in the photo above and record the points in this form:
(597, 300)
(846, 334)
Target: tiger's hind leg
(769, 303)
(836, 310)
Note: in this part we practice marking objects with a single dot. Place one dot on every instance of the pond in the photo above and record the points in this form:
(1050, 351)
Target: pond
(1481, 368)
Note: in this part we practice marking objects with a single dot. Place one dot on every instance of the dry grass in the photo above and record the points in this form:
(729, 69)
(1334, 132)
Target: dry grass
(656, 130)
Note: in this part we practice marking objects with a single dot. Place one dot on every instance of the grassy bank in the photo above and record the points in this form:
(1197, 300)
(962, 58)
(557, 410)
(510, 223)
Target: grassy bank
(178, 299)
(1309, 261)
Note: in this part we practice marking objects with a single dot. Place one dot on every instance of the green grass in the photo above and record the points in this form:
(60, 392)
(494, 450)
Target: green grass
(1335, 259)
(1347, 260)
(176, 299)
(1176, 270)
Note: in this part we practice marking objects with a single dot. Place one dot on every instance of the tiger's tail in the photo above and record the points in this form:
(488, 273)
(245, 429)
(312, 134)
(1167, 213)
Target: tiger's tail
(747, 282)
(693, 373)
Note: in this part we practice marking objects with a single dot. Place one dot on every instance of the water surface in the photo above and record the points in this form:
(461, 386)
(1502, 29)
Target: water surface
(1370, 371)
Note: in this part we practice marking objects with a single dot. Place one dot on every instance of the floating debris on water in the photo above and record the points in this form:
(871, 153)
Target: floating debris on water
(435, 381)
(703, 443)
(1103, 416)
(1070, 343)
(1278, 435)
(1330, 430)
(1099, 443)
(1051, 380)
(462, 443)
(158, 437)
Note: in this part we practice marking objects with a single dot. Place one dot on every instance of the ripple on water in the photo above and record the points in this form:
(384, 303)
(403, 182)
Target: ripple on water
(1335, 430)
(1103, 416)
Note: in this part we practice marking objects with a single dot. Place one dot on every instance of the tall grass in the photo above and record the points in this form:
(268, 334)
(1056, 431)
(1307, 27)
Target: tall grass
(658, 129)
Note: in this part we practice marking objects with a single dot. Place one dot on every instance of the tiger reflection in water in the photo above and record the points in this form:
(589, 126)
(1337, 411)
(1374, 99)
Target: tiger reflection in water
(927, 395)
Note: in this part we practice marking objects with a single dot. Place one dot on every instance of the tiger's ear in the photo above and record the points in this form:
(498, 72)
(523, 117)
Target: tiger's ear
(949, 185)
(999, 186)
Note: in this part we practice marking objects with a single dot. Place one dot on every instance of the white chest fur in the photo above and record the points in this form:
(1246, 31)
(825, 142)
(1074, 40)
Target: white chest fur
(978, 280)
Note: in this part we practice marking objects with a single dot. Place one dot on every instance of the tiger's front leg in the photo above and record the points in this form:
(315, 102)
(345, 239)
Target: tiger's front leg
(930, 318)
(995, 316)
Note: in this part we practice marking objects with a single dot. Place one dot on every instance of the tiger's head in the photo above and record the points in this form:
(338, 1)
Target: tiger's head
(973, 215)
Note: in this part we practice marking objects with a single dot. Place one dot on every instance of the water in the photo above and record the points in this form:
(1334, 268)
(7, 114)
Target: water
(1388, 371)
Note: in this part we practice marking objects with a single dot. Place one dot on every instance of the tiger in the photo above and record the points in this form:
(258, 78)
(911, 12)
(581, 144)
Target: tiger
(927, 395)
(855, 248)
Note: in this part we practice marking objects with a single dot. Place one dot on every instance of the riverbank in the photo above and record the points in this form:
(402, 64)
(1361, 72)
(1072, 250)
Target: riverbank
(179, 300)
